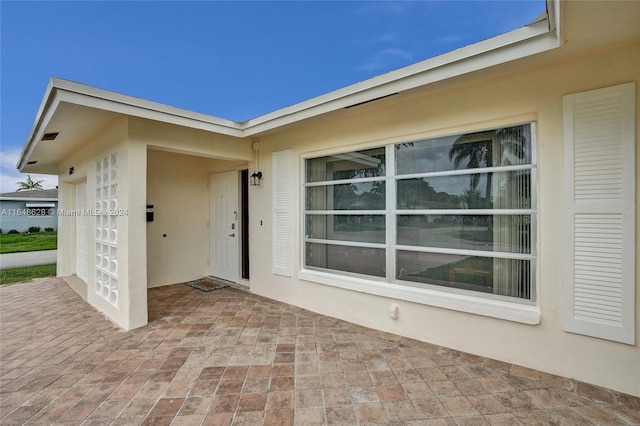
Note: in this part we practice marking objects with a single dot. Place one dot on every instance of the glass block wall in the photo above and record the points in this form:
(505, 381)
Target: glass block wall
(107, 228)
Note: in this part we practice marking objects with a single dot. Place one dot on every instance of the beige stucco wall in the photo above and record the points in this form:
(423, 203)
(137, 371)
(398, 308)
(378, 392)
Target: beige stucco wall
(180, 162)
(189, 141)
(499, 97)
(169, 166)
(131, 276)
(178, 187)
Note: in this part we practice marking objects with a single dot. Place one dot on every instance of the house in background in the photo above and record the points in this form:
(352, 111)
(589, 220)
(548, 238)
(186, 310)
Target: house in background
(482, 200)
(23, 209)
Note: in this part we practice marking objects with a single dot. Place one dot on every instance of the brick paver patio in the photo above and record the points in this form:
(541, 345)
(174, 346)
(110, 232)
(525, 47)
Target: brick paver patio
(230, 357)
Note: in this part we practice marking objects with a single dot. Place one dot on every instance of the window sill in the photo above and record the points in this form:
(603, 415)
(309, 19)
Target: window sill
(458, 302)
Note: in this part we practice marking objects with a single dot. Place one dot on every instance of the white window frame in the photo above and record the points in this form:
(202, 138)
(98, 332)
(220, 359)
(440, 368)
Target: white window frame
(487, 304)
(49, 207)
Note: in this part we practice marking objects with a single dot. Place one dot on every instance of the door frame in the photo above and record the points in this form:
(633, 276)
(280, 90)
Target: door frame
(81, 216)
(243, 227)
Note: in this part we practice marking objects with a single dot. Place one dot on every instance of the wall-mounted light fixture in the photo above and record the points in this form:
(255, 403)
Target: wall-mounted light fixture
(256, 177)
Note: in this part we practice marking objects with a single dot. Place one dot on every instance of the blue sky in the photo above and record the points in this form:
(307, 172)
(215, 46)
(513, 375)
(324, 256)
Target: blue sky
(235, 60)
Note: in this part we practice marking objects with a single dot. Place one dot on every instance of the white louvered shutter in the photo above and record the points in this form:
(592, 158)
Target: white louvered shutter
(599, 220)
(281, 161)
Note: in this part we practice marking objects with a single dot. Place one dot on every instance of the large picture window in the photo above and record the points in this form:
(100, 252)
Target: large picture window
(455, 212)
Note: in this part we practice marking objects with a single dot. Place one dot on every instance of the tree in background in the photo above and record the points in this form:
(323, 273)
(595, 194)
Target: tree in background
(30, 184)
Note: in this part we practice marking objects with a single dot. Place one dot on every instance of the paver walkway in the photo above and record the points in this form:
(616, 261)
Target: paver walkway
(230, 357)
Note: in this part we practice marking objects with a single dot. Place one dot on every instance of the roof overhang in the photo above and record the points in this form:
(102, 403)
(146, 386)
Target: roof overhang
(76, 109)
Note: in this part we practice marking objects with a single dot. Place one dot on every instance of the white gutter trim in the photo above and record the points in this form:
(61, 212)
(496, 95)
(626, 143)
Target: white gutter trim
(30, 145)
(187, 119)
(151, 107)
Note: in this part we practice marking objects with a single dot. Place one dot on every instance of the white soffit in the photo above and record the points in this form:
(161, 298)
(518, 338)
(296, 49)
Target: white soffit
(539, 36)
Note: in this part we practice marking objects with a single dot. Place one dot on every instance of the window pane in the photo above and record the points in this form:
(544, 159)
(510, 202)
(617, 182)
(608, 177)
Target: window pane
(361, 228)
(359, 260)
(351, 165)
(500, 190)
(499, 147)
(506, 277)
(353, 196)
(502, 233)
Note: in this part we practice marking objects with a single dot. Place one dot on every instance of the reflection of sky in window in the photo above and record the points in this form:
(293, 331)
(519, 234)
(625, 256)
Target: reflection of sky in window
(452, 184)
(500, 147)
(363, 187)
(433, 156)
(425, 156)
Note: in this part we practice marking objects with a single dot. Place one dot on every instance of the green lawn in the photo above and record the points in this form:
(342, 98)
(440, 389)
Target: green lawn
(13, 243)
(19, 275)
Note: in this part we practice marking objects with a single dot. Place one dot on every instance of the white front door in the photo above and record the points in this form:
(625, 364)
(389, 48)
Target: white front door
(82, 245)
(224, 225)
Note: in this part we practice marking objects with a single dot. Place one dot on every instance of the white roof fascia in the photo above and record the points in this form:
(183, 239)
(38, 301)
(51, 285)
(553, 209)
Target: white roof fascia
(553, 12)
(535, 38)
(124, 104)
(37, 126)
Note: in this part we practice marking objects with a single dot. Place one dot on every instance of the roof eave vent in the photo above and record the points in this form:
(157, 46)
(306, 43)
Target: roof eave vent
(50, 136)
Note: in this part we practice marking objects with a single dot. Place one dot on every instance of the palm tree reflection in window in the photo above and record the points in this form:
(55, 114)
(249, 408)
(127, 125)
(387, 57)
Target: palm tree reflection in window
(500, 147)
